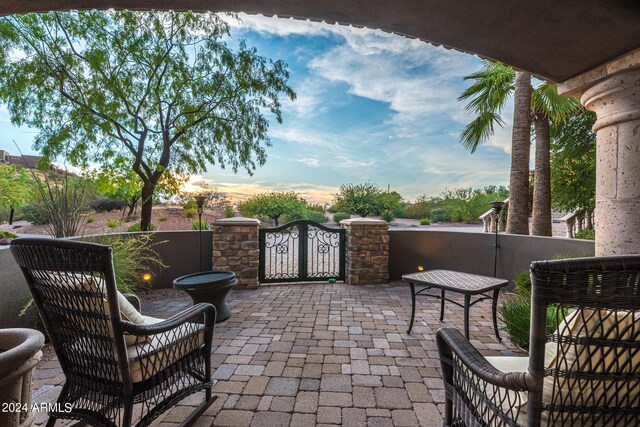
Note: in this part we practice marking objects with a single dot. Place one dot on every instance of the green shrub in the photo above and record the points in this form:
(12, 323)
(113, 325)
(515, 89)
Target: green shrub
(35, 213)
(387, 215)
(523, 284)
(425, 221)
(137, 227)
(229, 212)
(190, 212)
(339, 216)
(8, 235)
(516, 315)
(163, 218)
(441, 215)
(112, 223)
(316, 216)
(586, 234)
(90, 218)
(197, 225)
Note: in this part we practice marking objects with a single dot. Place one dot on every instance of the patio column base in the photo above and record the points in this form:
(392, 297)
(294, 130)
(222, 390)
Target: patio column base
(366, 251)
(612, 91)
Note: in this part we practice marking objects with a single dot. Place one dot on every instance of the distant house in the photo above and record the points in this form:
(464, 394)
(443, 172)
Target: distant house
(30, 162)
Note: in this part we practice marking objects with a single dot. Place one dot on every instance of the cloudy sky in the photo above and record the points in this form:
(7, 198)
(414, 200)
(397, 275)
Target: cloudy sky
(371, 107)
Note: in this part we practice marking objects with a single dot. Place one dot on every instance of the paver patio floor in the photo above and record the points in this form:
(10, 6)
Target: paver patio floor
(319, 354)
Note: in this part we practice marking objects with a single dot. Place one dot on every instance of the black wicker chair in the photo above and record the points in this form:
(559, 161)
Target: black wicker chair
(586, 373)
(112, 365)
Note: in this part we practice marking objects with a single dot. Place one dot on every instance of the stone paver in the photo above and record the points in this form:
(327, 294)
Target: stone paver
(317, 354)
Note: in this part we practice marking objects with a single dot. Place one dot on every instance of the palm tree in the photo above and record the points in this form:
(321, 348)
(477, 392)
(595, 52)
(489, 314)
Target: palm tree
(491, 88)
(488, 93)
(547, 107)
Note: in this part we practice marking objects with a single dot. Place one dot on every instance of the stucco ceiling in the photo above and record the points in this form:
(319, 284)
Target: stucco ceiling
(552, 39)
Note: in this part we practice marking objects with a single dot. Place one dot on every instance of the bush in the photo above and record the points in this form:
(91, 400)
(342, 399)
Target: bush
(316, 216)
(229, 212)
(104, 204)
(196, 225)
(163, 218)
(190, 212)
(425, 221)
(8, 235)
(586, 234)
(112, 223)
(35, 213)
(523, 284)
(387, 216)
(441, 215)
(339, 216)
(90, 218)
(137, 227)
(516, 315)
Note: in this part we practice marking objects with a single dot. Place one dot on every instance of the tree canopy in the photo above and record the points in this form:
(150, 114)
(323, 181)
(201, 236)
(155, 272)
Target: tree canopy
(16, 187)
(274, 205)
(162, 91)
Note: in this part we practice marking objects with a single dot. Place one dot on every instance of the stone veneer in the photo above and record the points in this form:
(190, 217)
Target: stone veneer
(366, 251)
(235, 248)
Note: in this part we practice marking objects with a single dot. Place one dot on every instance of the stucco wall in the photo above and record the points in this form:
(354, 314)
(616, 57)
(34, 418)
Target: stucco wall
(474, 252)
(179, 253)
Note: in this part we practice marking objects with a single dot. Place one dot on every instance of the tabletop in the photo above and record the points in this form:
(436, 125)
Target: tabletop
(456, 281)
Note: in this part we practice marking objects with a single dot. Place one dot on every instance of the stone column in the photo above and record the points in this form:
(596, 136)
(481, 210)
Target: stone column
(612, 91)
(235, 248)
(366, 251)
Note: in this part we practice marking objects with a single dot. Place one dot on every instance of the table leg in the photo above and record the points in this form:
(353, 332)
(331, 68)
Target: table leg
(467, 301)
(413, 306)
(494, 307)
(441, 305)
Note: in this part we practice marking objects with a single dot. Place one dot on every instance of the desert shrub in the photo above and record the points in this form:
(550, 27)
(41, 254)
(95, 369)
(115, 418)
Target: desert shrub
(425, 221)
(136, 227)
(387, 215)
(104, 204)
(35, 213)
(339, 216)
(586, 234)
(132, 257)
(316, 216)
(163, 218)
(441, 215)
(523, 284)
(197, 225)
(229, 212)
(419, 209)
(516, 315)
(190, 212)
(8, 235)
(112, 223)
(90, 218)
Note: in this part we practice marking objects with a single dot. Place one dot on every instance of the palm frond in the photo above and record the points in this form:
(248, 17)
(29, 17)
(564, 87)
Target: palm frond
(480, 129)
(546, 100)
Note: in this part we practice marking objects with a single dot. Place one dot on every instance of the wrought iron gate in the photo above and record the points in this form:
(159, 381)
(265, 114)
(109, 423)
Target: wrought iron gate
(301, 251)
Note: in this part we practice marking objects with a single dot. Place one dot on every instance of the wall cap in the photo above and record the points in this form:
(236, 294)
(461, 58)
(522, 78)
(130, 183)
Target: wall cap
(362, 221)
(237, 220)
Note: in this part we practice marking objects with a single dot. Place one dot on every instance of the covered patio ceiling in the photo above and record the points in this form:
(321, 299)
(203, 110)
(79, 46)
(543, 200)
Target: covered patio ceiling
(554, 40)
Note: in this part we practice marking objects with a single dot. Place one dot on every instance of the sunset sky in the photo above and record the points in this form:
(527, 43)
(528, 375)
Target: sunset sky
(371, 107)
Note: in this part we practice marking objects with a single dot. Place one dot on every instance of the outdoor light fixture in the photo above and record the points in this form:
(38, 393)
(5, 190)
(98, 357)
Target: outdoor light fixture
(420, 268)
(146, 277)
(497, 208)
(200, 209)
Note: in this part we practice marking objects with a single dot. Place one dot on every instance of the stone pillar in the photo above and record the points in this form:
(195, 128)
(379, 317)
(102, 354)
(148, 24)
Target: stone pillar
(612, 91)
(235, 248)
(366, 251)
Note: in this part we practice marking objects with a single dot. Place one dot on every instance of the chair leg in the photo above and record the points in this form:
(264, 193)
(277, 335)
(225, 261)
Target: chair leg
(128, 414)
(61, 398)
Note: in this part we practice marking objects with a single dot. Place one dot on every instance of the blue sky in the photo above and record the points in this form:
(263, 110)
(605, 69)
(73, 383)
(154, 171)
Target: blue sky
(371, 106)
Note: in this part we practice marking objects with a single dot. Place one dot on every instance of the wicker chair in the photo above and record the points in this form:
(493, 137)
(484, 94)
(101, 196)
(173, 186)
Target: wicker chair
(112, 364)
(586, 373)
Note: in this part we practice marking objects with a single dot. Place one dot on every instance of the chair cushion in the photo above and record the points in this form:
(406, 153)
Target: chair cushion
(161, 350)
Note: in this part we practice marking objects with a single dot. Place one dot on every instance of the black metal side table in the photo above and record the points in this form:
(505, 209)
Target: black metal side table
(211, 287)
(455, 281)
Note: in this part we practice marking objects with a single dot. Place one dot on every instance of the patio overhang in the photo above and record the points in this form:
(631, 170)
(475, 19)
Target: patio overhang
(554, 40)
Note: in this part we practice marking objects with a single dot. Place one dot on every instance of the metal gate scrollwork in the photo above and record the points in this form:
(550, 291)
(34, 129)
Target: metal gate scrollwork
(301, 251)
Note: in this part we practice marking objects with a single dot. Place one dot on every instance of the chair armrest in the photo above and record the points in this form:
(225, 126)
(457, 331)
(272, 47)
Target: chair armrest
(192, 313)
(457, 344)
(133, 300)
(476, 393)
